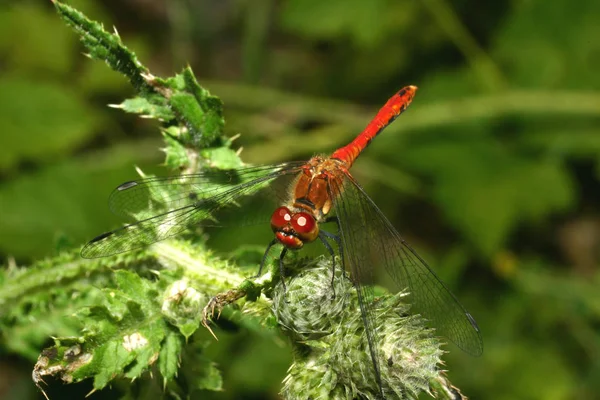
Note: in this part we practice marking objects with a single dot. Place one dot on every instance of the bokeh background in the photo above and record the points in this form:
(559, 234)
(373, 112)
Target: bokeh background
(493, 173)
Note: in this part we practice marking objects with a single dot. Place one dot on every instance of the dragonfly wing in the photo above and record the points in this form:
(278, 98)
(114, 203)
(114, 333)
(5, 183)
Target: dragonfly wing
(142, 233)
(144, 198)
(353, 226)
(168, 206)
(370, 242)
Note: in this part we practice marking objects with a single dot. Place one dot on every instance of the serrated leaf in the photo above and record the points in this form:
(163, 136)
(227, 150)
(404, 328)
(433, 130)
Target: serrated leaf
(176, 154)
(119, 340)
(185, 104)
(187, 329)
(221, 158)
(170, 355)
(211, 105)
(200, 371)
(132, 286)
(203, 112)
(142, 106)
(108, 361)
(146, 354)
(115, 303)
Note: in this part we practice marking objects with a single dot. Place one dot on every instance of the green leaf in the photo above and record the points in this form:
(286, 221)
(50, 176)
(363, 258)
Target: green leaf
(117, 342)
(125, 329)
(175, 151)
(199, 111)
(145, 355)
(185, 104)
(170, 355)
(132, 285)
(144, 107)
(221, 158)
(34, 307)
(39, 301)
(108, 361)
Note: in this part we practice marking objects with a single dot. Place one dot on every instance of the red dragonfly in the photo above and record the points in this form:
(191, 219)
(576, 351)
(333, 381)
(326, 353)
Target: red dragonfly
(322, 190)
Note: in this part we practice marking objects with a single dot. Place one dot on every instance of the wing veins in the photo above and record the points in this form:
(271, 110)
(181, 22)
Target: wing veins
(172, 222)
(407, 269)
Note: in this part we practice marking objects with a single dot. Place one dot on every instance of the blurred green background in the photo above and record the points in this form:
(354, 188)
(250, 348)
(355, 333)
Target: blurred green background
(493, 173)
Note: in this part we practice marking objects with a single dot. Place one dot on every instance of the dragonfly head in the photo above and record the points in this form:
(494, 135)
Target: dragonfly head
(294, 229)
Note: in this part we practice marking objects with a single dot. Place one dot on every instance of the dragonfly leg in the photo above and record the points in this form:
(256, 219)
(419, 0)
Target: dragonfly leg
(323, 235)
(264, 259)
(338, 240)
(281, 272)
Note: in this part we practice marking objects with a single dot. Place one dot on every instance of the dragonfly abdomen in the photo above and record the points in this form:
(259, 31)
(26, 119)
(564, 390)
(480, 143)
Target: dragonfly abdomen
(389, 112)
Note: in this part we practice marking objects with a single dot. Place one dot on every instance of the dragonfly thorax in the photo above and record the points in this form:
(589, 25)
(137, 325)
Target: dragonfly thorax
(315, 188)
(293, 229)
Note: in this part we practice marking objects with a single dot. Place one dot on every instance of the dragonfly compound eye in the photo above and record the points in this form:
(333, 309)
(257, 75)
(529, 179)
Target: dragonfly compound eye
(305, 226)
(280, 218)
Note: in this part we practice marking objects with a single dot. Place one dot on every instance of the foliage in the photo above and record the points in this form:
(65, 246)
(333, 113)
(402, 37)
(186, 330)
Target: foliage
(493, 173)
(140, 320)
(134, 322)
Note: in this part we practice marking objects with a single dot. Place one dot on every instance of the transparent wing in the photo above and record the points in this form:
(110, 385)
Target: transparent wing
(353, 224)
(369, 241)
(165, 207)
(145, 198)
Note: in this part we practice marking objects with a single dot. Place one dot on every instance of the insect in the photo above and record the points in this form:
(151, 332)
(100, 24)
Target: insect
(319, 191)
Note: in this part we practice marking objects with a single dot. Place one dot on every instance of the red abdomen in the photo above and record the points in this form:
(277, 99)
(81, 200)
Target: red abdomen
(392, 109)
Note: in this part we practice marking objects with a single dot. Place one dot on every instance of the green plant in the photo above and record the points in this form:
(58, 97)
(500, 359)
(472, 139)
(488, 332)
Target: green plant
(139, 311)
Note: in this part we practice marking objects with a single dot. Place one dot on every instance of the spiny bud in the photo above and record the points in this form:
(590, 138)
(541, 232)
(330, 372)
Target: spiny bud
(333, 360)
(311, 306)
(182, 306)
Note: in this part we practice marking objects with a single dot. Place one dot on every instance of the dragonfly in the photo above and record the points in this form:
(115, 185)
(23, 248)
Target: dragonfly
(314, 193)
